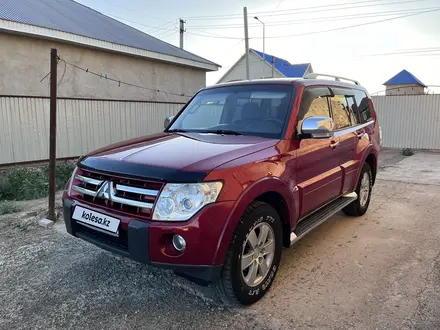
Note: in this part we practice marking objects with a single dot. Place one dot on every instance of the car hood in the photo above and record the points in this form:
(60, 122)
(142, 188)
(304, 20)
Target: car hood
(174, 156)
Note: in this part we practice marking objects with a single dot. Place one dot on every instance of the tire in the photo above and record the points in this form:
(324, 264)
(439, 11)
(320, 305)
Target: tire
(236, 285)
(360, 205)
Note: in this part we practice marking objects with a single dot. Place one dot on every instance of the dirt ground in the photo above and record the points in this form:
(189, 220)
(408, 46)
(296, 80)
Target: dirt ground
(379, 271)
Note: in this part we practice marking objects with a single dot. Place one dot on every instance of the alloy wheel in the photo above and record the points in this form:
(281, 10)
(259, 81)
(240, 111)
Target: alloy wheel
(257, 255)
(364, 191)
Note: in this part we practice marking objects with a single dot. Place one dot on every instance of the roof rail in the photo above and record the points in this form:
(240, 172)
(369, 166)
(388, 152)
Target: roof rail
(337, 78)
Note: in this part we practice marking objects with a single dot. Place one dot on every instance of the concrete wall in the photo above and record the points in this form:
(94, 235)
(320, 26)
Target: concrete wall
(25, 60)
(404, 90)
(257, 67)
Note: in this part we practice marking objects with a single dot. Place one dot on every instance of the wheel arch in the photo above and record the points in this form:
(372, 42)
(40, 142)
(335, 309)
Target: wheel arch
(277, 201)
(269, 190)
(371, 160)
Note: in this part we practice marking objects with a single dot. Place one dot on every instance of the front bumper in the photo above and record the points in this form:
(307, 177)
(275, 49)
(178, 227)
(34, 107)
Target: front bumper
(146, 242)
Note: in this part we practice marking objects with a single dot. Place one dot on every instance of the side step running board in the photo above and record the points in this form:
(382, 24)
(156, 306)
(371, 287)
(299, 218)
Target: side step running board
(321, 216)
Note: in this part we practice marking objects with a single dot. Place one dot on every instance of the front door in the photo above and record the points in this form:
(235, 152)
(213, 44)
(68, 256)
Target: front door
(317, 166)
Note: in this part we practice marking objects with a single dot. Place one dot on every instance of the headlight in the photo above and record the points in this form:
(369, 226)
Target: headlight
(69, 188)
(179, 202)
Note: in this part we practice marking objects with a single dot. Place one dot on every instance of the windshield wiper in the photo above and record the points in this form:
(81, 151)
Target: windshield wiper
(222, 131)
(217, 131)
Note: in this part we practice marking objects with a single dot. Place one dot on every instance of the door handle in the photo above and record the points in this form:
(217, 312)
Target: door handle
(360, 134)
(334, 144)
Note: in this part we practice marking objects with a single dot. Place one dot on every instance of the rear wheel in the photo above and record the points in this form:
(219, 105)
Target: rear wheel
(363, 190)
(253, 256)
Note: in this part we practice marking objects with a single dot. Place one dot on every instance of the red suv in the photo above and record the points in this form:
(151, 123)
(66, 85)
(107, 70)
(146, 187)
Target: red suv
(243, 170)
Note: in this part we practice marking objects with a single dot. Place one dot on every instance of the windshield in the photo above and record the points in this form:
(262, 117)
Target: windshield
(259, 110)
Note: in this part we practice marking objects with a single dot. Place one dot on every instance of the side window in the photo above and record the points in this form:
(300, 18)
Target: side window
(352, 110)
(314, 103)
(340, 111)
(318, 107)
(363, 105)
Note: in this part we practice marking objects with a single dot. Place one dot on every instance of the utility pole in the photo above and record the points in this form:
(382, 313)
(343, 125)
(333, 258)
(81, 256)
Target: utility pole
(52, 132)
(264, 38)
(246, 42)
(182, 30)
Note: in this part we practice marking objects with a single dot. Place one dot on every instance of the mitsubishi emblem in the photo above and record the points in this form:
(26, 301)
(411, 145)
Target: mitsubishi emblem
(105, 190)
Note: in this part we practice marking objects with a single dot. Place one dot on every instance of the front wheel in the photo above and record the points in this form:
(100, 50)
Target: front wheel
(363, 190)
(253, 257)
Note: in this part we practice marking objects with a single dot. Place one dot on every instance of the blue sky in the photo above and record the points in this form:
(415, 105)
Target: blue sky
(344, 52)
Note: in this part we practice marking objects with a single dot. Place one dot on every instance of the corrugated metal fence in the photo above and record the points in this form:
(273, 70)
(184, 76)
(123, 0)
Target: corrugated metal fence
(82, 125)
(409, 121)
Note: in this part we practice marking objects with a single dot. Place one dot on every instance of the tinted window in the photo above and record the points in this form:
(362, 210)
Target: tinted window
(250, 110)
(363, 105)
(352, 110)
(314, 103)
(345, 97)
(340, 111)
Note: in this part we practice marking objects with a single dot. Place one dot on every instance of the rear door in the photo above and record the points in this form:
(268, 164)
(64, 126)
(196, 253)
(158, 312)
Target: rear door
(343, 108)
(368, 129)
(317, 167)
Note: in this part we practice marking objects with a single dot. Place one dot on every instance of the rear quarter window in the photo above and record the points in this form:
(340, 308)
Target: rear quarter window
(363, 105)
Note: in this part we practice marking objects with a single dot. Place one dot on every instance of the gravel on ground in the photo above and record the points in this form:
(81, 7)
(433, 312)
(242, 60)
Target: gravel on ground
(379, 271)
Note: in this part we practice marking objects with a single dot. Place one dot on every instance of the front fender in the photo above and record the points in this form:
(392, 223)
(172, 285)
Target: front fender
(251, 193)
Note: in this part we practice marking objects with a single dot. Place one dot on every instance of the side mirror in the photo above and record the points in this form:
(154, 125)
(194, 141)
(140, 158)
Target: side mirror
(167, 121)
(317, 127)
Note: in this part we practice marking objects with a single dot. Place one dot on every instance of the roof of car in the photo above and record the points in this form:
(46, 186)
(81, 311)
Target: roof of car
(288, 81)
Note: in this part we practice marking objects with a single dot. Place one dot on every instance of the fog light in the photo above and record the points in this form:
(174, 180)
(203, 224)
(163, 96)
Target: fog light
(179, 243)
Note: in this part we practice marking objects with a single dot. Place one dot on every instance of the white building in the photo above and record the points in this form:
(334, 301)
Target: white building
(91, 40)
(267, 66)
(151, 80)
(404, 83)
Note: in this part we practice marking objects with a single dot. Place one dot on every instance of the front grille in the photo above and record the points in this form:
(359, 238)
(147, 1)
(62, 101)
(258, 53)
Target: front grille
(125, 195)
